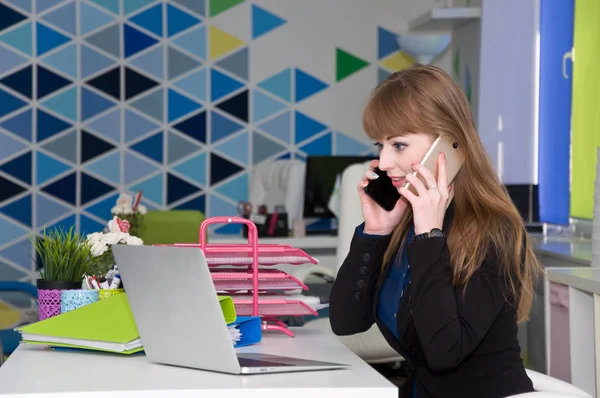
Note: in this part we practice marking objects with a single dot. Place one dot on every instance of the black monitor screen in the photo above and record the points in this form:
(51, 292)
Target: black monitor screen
(321, 173)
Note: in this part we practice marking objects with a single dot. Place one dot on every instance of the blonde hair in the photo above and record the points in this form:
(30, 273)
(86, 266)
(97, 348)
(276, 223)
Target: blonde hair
(425, 99)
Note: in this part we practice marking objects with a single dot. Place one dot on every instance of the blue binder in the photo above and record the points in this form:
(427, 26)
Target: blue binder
(250, 330)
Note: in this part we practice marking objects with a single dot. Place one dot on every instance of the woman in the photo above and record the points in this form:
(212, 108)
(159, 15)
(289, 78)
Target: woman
(449, 272)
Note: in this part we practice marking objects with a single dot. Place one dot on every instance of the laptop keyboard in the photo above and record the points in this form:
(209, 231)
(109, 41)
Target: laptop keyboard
(259, 363)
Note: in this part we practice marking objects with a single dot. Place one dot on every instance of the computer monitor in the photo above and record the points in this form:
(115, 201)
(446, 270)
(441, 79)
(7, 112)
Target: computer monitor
(321, 173)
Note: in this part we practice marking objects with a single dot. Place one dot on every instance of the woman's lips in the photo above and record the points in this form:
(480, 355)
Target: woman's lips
(398, 181)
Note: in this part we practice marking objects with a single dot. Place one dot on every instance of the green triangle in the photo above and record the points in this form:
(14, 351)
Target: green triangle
(347, 64)
(218, 6)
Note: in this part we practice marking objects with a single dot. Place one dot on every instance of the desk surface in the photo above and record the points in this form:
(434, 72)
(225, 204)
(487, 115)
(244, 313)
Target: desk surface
(32, 370)
(569, 249)
(585, 279)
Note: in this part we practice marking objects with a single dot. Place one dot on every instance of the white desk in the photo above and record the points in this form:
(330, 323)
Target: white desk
(40, 372)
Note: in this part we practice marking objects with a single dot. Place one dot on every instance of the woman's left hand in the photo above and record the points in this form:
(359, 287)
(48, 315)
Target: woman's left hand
(429, 206)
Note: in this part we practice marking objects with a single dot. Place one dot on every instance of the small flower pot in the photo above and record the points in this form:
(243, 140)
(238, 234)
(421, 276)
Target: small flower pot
(49, 296)
(73, 299)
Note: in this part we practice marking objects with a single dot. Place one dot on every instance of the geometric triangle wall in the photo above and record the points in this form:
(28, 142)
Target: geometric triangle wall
(175, 109)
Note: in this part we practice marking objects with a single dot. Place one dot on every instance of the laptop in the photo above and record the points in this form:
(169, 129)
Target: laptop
(179, 318)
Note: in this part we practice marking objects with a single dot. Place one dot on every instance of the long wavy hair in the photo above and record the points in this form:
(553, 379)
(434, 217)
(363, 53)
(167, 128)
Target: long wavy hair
(425, 99)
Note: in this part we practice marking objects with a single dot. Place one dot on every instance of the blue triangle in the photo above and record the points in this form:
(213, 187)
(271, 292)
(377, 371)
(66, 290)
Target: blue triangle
(222, 85)
(264, 106)
(92, 61)
(20, 253)
(10, 231)
(48, 125)
(150, 19)
(153, 188)
(307, 85)
(279, 127)
(151, 147)
(48, 39)
(9, 146)
(20, 167)
(108, 167)
(151, 62)
(195, 168)
(108, 126)
(64, 18)
(63, 224)
(386, 42)
(24, 5)
(64, 103)
(193, 41)
(279, 85)
(136, 41)
(178, 20)
(48, 210)
(263, 21)
(236, 189)
(348, 146)
(180, 106)
(63, 60)
(19, 210)
(10, 60)
(194, 84)
(137, 126)
(306, 127)
(102, 209)
(20, 124)
(88, 225)
(93, 104)
(220, 208)
(43, 5)
(130, 6)
(221, 126)
(110, 5)
(236, 148)
(322, 146)
(20, 38)
(137, 168)
(91, 18)
(48, 168)
(9, 103)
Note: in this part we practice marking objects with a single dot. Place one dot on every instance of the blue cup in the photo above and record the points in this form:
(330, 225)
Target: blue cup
(73, 299)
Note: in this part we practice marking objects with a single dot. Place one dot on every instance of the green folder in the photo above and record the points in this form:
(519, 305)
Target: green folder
(228, 309)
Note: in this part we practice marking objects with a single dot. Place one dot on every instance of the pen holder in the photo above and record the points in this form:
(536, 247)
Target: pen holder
(106, 293)
(72, 299)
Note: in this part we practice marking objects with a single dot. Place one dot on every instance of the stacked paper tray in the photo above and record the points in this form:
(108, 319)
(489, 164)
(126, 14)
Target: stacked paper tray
(271, 279)
(236, 254)
(273, 307)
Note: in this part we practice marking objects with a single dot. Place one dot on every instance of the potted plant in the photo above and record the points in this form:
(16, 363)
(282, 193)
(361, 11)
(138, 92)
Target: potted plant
(131, 210)
(63, 258)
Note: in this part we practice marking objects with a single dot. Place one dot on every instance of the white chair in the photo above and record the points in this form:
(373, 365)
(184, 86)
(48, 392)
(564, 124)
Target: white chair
(548, 387)
(370, 345)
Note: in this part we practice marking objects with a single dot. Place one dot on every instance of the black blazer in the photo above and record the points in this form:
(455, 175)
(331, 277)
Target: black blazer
(460, 343)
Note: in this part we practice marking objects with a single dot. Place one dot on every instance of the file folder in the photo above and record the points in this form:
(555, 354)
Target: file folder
(228, 309)
(246, 330)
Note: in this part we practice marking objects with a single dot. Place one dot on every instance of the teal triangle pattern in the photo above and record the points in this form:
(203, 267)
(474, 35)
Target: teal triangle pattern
(222, 126)
(279, 84)
(93, 104)
(20, 124)
(47, 168)
(150, 19)
(43, 5)
(64, 18)
(92, 18)
(64, 223)
(197, 6)
(10, 231)
(88, 225)
(107, 167)
(151, 62)
(131, 6)
(63, 103)
(194, 41)
(92, 61)
(279, 127)
(237, 63)
(236, 148)
(306, 127)
(48, 39)
(264, 106)
(152, 188)
(321, 146)
(10, 60)
(194, 84)
(9, 103)
(102, 208)
(108, 126)
(19, 210)
(63, 60)
(307, 85)
(194, 168)
(24, 5)
(235, 189)
(110, 5)
(178, 20)
(151, 147)
(137, 168)
(48, 210)
(348, 146)
(19, 38)
(180, 106)
(222, 85)
(264, 21)
(264, 148)
(220, 207)
(20, 253)
(137, 126)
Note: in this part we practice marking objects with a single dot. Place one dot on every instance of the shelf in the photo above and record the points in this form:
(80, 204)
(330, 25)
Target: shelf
(444, 18)
(232, 281)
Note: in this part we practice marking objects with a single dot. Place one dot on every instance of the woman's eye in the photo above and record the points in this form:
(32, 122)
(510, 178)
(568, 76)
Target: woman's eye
(399, 146)
(379, 146)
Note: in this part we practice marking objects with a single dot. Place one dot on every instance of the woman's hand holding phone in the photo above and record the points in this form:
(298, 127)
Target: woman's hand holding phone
(378, 221)
(429, 206)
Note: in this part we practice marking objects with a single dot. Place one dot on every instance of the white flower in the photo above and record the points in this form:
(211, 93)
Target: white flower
(100, 242)
(142, 209)
(125, 200)
(133, 240)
